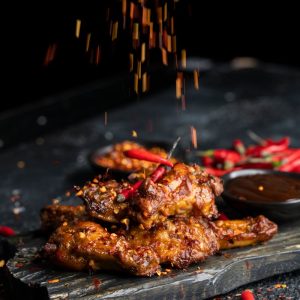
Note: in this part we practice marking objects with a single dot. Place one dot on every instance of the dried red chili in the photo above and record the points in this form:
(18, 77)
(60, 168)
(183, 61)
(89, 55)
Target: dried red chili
(6, 231)
(142, 154)
(247, 295)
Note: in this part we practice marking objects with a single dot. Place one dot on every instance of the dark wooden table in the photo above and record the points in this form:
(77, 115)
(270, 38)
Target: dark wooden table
(265, 99)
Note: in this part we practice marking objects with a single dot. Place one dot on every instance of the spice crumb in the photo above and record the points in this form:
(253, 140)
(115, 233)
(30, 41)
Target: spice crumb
(2, 263)
(53, 280)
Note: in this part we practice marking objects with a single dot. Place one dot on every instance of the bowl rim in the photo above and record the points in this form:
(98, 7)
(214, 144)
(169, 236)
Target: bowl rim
(240, 173)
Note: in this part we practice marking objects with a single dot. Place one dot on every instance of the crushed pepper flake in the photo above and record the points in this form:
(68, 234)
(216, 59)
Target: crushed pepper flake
(55, 280)
(2, 263)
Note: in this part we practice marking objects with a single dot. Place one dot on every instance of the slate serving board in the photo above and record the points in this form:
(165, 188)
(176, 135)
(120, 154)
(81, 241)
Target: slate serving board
(219, 274)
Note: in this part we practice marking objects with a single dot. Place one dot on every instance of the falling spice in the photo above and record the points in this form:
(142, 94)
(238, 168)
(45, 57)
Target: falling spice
(134, 133)
(114, 34)
(183, 58)
(88, 41)
(2, 263)
(21, 164)
(196, 79)
(105, 118)
(96, 283)
(77, 28)
(56, 280)
(194, 137)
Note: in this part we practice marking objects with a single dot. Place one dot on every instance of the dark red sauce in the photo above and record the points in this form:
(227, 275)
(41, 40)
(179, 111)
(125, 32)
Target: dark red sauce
(264, 187)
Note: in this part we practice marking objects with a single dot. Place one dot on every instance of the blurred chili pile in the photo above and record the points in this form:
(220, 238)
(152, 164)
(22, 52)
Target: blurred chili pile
(267, 154)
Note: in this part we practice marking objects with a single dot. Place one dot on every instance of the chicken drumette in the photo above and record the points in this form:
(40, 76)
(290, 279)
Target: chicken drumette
(184, 190)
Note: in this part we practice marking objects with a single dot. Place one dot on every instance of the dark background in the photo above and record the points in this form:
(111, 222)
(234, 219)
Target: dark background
(216, 32)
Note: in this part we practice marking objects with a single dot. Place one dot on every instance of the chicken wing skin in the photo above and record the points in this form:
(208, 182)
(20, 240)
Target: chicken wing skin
(52, 216)
(184, 190)
(101, 199)
(87, 245)
(245, 232)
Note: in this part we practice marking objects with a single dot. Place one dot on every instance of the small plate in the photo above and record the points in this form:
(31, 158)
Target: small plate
(279, 211)
(121, 174)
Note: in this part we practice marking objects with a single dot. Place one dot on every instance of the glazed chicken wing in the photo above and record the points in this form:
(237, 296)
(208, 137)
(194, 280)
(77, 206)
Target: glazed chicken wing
(52, 216)
(87, 245)
(184, 190)
(101, 199)
(245, 232)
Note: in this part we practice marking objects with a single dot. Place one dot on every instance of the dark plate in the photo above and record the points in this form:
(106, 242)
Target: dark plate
(119, 174)
(279, 211)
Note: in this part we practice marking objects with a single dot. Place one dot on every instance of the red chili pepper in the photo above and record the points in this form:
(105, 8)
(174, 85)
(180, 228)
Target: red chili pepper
(158, 173)
(290, 166)
(148, 156)
(296, 169)
(269, 148)
(216, 172)
(247, 295)
(222, 217)
(6, 231)
(155, 176)
(207, 161)
(239, 146)
(261, 165)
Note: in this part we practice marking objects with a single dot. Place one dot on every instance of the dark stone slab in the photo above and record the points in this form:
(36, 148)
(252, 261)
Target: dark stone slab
(217, 275)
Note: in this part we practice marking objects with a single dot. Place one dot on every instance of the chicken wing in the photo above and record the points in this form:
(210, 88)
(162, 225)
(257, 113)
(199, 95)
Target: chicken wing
(184, 190)
(245, 232)
(87, 245)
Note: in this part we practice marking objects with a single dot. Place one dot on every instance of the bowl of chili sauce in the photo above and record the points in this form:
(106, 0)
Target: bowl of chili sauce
(275, 194)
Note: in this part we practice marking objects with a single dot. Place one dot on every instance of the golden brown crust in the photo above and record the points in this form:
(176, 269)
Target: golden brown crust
(184, 190)
(52, 216)
(101, 199)
(245, 232)
(87, 245)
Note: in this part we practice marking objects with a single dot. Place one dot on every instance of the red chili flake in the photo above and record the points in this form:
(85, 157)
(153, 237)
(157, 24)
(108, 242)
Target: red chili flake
(247, 295)
(97, 282)
(53, 280)
(222, 217)
(248, 265)
(19, 265)
(6, 231)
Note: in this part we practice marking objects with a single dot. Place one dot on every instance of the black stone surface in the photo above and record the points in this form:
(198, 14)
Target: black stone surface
(230, 101)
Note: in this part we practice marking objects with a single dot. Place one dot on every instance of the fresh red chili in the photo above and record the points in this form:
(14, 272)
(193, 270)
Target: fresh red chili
(148, 156)
(6, 231)
(155, 176)
(259, 165)
(288, 167)
(239, 146)
(216, 172)
(207, 161)
(247, 295)
(222, 217)
(269, 148)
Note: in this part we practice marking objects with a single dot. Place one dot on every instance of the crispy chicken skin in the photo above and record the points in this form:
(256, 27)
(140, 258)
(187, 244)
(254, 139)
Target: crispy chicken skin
(184, 190)
(101, 199)
(52, 216)
(245, 232)
(87, 245)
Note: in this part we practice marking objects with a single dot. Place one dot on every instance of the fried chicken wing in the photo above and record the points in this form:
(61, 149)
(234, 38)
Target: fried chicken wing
(184, 190)
(52, 216)
(87, 245)
(101, 199)
(245, 232)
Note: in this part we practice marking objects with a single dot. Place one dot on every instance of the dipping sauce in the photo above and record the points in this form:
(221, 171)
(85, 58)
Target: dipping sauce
(264, 187)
